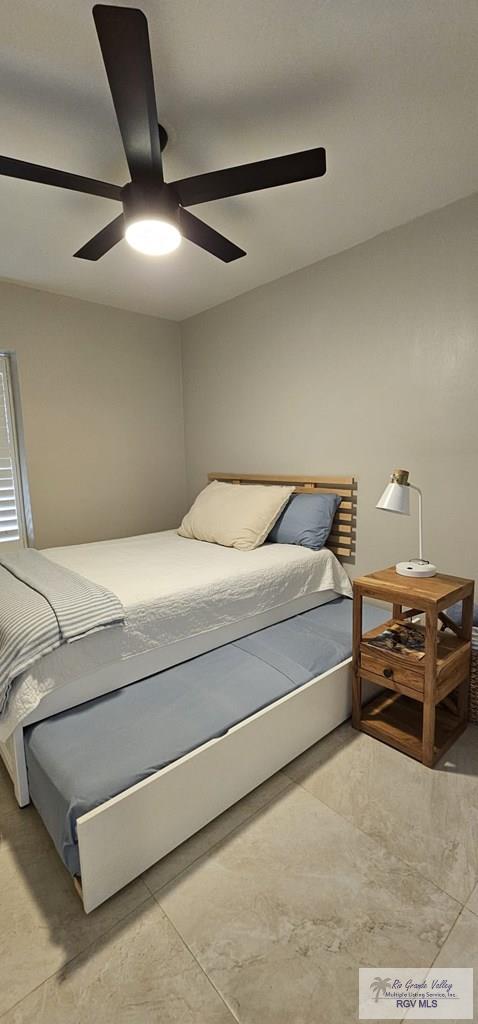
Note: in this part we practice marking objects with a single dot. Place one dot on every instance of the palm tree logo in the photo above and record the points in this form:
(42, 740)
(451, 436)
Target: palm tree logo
(380, 985)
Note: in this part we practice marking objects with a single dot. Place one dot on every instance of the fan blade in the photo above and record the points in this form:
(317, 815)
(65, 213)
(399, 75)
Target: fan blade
(103, 241)
(207, 238)
(235, 181)
(12, 168)
(124, 41)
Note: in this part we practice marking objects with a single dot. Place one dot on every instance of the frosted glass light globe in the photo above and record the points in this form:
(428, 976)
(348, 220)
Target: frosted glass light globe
(153, 237)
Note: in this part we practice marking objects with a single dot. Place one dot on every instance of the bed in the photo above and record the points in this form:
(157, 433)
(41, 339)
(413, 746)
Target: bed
(184, 599)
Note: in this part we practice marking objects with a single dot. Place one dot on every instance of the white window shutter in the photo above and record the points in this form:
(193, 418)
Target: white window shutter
(11, 510)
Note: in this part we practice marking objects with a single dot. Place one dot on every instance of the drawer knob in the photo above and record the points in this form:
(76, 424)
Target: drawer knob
(388, 673)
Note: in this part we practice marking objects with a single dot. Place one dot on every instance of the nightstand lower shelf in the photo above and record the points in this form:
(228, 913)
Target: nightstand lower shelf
(398, 721)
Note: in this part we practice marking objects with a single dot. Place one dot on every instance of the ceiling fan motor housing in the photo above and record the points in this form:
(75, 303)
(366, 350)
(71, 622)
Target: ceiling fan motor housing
(148, 201)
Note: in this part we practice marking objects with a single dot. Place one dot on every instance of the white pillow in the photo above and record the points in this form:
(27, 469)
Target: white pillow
(234, 515)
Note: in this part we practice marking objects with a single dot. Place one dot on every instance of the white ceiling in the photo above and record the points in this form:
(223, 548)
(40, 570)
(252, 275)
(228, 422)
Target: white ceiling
(389, 87)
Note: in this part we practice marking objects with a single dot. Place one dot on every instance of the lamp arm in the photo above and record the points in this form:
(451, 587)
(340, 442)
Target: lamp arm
(420, 520)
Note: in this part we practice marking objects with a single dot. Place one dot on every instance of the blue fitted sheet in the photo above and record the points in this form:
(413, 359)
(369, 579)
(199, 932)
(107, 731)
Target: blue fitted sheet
(80, 758)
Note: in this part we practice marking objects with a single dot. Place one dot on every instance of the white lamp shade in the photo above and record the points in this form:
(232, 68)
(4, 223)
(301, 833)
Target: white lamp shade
(395, 498)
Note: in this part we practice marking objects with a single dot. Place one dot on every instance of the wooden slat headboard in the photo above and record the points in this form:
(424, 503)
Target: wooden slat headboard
(342, 538)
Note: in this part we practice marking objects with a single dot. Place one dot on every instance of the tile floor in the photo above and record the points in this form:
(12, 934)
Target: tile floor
(352, 855)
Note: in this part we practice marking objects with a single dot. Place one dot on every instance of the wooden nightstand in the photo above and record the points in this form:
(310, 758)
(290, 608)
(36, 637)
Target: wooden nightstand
(428, 706)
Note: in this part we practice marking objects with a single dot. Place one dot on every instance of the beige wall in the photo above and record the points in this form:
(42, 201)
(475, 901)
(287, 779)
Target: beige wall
(365, 361)
(360, 363)
(102, 410)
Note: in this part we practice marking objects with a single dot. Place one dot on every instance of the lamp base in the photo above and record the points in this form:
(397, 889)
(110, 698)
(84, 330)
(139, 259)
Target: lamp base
(416, 567)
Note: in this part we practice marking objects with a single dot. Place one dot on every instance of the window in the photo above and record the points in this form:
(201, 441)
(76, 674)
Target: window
(15, 520)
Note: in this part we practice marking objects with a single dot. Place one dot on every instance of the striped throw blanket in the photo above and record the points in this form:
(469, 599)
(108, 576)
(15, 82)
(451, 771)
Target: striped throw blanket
(43, 605)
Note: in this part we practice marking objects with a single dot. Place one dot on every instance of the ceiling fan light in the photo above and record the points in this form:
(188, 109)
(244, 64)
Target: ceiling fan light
(153, 236)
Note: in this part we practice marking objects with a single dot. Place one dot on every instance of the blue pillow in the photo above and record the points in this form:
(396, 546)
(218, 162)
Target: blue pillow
(307, 520)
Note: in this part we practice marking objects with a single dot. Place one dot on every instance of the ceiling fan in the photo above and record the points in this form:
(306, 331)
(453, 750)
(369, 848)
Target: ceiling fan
(155, 216)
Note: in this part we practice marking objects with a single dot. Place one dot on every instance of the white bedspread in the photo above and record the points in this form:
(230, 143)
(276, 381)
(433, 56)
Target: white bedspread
(175, 592)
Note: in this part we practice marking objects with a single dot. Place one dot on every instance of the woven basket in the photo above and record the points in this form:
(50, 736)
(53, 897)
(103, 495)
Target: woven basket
(474, 677)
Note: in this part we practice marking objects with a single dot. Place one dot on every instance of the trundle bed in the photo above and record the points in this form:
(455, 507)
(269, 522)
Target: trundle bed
(261, 672)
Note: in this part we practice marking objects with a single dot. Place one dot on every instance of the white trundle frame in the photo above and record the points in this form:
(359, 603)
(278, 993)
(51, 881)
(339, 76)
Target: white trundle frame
(130, 832)
(123, 837)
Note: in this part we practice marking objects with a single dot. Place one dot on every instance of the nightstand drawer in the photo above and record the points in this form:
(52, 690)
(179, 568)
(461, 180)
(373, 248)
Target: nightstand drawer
(379, 666)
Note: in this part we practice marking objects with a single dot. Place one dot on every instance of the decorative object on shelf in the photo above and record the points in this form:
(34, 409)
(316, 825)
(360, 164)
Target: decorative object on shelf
(401, 638)
(396, 498)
